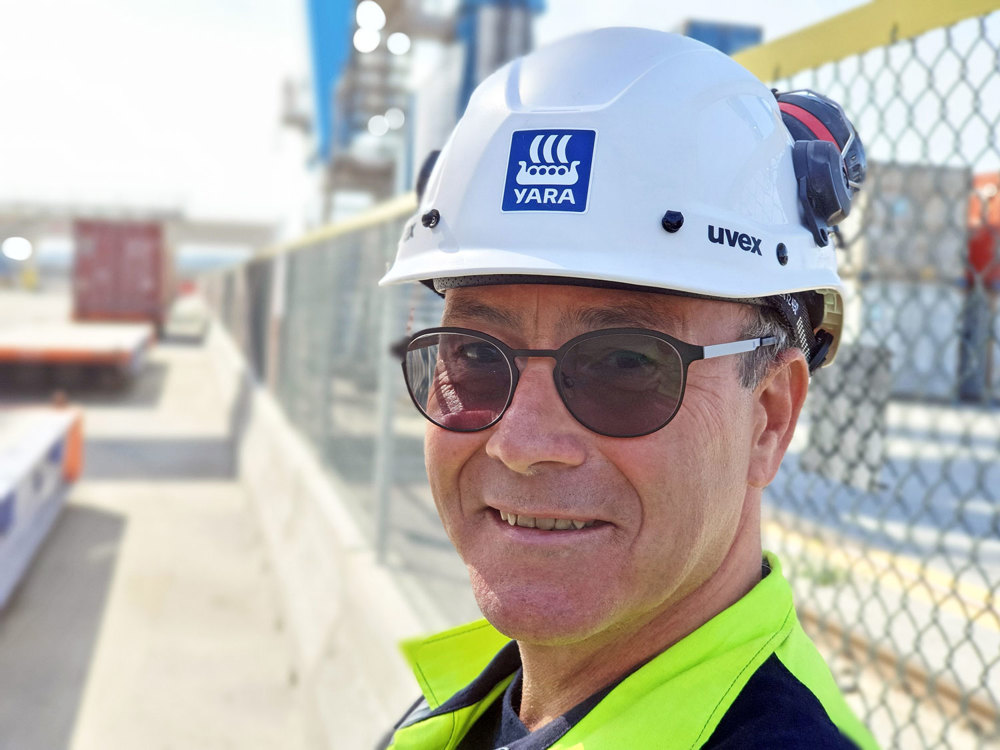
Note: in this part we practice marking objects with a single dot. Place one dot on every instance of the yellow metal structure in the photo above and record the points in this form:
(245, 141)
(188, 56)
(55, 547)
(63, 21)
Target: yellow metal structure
(401, 205)
(876, 24)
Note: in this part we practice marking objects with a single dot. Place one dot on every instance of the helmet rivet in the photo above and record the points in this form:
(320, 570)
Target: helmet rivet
(782, 253)
(431, 218)
(672, 221)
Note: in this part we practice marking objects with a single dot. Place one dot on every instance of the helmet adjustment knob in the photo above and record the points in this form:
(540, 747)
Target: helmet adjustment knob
(672, 221)
(782, 252)
(431, 219)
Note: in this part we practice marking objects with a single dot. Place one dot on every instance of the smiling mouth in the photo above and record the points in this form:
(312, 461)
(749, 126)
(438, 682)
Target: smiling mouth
(546, 524)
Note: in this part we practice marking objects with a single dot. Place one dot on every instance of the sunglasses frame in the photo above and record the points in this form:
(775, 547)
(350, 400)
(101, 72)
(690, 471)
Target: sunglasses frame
(688, 353)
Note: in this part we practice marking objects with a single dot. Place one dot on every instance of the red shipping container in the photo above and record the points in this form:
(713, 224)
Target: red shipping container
(122, 270)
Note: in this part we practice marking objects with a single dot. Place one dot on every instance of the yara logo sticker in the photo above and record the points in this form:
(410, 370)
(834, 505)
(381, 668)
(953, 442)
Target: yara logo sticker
(549, 173)
(549, 170)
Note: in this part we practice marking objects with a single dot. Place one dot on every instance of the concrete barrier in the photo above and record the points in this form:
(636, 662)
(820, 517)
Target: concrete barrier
(345, 614)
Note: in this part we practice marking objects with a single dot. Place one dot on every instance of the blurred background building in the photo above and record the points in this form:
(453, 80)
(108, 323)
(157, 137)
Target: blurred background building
(390, 80)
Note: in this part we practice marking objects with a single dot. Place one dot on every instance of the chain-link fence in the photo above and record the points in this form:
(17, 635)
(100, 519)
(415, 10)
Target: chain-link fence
(886, 507)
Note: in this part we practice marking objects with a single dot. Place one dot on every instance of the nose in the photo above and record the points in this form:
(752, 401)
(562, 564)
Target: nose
(537, 429)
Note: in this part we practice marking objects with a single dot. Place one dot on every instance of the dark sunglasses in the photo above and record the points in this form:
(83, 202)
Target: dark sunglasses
(619, 382)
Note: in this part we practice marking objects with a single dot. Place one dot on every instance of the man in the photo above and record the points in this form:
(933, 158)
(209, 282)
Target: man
(633, 251)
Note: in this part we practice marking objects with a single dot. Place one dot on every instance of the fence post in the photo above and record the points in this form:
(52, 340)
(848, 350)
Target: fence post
(388, 372)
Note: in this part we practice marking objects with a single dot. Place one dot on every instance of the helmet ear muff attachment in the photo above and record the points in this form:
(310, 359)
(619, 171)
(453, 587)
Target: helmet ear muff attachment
(824, 194)
(828, 156)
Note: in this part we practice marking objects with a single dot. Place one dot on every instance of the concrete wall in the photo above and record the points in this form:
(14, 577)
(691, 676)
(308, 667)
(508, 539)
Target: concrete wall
(344, 613)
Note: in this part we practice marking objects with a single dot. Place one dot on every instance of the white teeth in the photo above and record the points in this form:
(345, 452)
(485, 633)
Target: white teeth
(547, 524)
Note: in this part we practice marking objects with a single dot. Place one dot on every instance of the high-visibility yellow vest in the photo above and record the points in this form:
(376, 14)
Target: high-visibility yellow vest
(676, 700)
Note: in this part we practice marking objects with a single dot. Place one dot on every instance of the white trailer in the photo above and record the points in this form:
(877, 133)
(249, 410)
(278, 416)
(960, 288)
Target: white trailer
(41, 455)
(121, 348)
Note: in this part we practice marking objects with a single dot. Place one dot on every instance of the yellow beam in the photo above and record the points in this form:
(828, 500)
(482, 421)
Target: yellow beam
(395, 208)
(876, 24)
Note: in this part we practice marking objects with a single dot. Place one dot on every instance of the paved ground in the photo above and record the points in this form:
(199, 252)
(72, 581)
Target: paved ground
(150, 618)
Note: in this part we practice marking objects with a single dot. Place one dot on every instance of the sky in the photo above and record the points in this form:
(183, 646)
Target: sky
(175, 104)
(169, 103)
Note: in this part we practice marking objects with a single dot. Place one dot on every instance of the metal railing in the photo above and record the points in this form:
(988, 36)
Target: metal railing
(886, 508)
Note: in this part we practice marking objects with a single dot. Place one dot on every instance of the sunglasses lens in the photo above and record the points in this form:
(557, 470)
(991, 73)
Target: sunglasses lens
(622, 385)
(460, 382)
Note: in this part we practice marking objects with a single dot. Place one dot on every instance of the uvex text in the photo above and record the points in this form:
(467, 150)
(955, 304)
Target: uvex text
(722, 236)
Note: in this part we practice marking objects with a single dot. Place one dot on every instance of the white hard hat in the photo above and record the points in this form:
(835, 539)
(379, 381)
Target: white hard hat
(624, 156)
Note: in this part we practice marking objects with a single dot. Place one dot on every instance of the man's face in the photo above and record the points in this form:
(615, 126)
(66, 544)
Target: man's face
(667, 507)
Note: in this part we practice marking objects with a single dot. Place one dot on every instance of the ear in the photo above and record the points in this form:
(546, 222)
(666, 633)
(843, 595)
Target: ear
(777, 403)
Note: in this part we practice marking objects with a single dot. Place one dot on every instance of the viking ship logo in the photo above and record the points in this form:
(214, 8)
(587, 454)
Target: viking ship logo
(549, 170)
(546, 170)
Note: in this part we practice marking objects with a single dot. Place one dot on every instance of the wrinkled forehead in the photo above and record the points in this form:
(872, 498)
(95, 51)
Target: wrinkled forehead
(570, 310)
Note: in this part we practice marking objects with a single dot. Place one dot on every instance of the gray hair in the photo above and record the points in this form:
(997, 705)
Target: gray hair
(762, 322)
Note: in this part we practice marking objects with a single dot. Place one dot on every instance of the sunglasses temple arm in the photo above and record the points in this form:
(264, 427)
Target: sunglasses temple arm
(736, 347)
